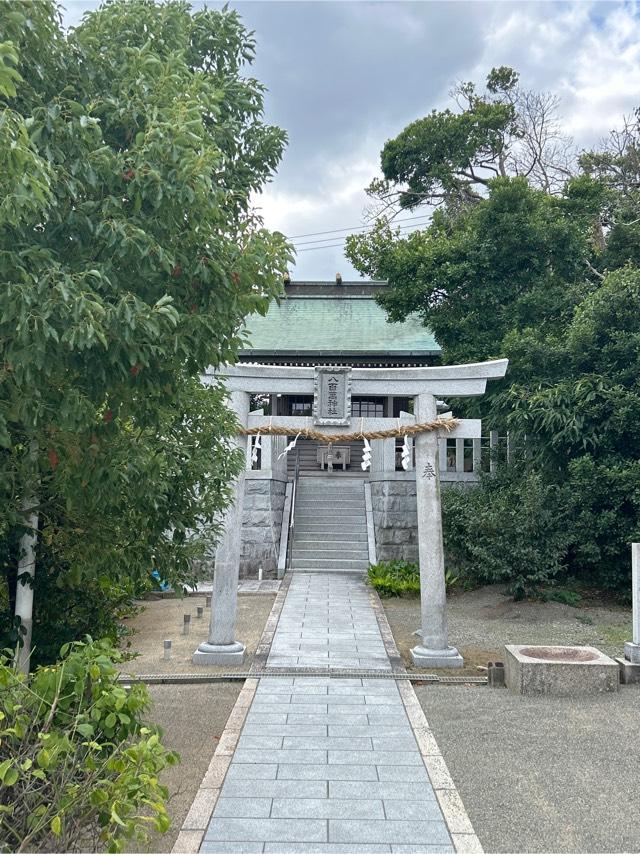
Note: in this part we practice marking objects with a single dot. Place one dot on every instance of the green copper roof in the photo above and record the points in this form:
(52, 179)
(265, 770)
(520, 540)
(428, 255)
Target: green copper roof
(321, 324)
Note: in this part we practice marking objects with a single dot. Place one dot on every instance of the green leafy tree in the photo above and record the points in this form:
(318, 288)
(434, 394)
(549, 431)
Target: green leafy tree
(544, 275)
(130, 254)
(450, 156)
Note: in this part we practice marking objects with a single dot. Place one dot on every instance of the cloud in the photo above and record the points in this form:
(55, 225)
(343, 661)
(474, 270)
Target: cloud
(344, 77)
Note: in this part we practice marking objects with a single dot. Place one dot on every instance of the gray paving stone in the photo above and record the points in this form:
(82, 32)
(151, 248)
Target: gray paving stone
(291, 756)
(372, 730)
(330, 699)
(373, 757)
(326, 743)
(257, 717)
(261, 742)
(251, 772)
(231, 847)
(267, 829)
(324, 848)
(326, 718)
(326, 772)
(423, 849)
(359, 830)
(388, 790)
(326, 808)
(243, 808)
(403, 773)
(394, 742)
(275, 788)
(283, 730)
(415, 810)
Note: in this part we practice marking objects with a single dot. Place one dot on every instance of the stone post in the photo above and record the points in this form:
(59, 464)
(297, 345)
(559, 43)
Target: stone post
(434, 650)
(632, 650)
(222, 647)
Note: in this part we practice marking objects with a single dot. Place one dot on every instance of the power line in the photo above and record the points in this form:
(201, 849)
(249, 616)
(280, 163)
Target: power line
(370, 228)
(307, 248)
(351, 228)
(315, 248)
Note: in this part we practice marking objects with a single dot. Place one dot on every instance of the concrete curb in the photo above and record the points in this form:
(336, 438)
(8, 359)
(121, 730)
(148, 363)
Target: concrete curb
(397, 665)
(262, 651)
(455, 815)
(195, 824)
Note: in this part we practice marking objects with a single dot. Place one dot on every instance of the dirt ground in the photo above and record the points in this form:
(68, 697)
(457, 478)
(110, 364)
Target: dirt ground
(163, 619)
(192, 718)
(482, 621)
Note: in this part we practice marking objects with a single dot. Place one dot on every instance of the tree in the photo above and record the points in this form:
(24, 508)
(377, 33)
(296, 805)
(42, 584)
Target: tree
(516, 265)
(129, 256)
(450, 156)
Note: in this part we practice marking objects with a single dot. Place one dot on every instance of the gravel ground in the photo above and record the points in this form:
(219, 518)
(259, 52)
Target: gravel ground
(541, 773)
(482, 621)
(193, 718)
(163, 618)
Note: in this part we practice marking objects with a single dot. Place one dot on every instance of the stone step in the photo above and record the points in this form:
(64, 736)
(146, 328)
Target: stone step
(332, 510)
(332, 536)
(352, 565)
(323, 504)
(315, 555)
(331, 548)
(313, 523)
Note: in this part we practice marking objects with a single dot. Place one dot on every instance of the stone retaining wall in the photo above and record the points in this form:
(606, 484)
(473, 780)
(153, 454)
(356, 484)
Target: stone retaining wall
(261, 526)
(395, 519)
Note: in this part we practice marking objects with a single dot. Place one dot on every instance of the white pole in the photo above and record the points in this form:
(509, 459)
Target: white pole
(27, 568)
(632, 650)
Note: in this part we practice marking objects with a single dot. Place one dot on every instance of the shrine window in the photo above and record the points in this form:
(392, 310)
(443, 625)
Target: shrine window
(301, 404)
(367, 407)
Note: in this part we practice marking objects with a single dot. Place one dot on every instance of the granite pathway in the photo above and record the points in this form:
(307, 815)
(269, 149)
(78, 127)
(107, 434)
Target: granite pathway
(326, 764)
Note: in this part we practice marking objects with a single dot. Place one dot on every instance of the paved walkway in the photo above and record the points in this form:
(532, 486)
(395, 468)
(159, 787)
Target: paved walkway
(327, 621)
(327, 764)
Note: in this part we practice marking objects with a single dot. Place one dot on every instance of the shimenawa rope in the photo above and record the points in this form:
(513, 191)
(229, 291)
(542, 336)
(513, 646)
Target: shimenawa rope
(446, 424)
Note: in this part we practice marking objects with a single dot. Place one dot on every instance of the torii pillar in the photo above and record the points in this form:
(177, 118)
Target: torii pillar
(221, 646)
(434, 651)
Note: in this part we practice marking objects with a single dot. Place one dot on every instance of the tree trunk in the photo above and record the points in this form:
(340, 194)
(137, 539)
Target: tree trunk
(27, 569)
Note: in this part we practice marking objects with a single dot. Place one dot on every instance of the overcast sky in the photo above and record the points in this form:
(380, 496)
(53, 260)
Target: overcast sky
(343, 77)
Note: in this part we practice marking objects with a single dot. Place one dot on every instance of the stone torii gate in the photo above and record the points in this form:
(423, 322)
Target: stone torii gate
(332, 388)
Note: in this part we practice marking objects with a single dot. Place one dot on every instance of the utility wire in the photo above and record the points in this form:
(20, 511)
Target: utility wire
(325, 239)
(307, 248)
(351, 228)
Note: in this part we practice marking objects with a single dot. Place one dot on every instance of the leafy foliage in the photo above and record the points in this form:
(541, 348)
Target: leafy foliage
(545, 273)
(400, 578)
(78, 767)
(129, 257)
(511, 529)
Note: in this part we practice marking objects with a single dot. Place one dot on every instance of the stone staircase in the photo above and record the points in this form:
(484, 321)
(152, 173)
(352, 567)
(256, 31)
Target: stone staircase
(330, 525)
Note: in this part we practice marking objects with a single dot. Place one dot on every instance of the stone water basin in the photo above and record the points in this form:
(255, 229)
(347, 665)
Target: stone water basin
(560, 671)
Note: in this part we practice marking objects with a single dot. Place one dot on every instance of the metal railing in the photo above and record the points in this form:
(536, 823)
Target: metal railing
(292, 515)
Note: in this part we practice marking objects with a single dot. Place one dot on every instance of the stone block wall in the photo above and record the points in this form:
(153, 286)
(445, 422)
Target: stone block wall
(395, 519)
(261, 526)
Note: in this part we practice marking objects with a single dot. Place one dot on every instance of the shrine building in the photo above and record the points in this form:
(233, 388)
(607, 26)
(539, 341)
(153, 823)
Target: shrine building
(318, 506)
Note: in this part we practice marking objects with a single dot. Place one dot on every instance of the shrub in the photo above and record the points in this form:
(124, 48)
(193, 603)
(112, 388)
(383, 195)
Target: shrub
(512, 528)
(78, 768)
(400, 578)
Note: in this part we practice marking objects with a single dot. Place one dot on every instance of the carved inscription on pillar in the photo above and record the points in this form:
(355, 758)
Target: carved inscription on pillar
(332, 396)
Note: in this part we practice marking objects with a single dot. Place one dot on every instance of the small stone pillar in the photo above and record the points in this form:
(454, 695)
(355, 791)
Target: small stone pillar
(632, 649)
(434, 651)
(222, 646)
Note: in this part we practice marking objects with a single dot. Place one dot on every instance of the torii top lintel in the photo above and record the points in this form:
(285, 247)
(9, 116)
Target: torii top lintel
(446, 381)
